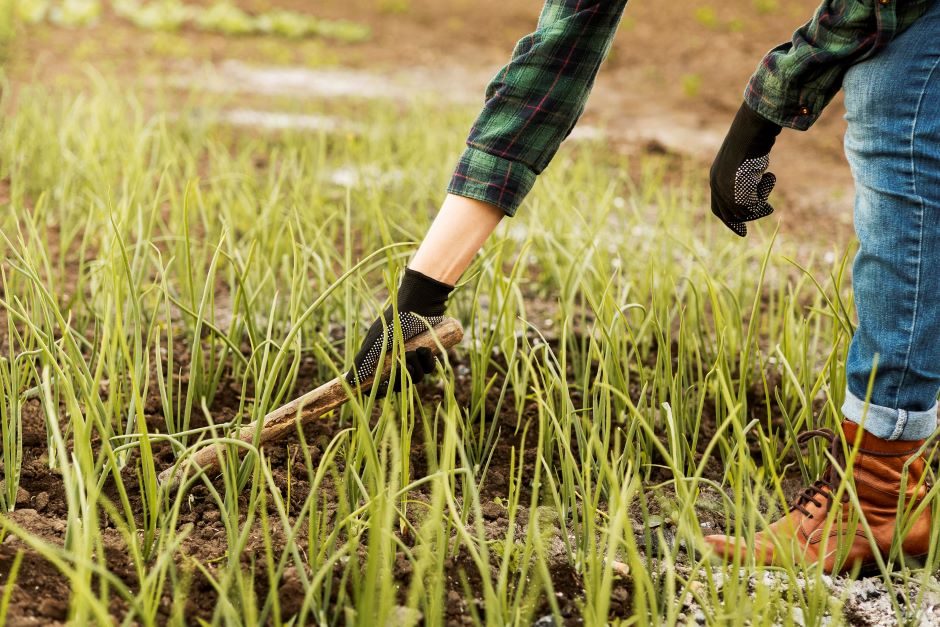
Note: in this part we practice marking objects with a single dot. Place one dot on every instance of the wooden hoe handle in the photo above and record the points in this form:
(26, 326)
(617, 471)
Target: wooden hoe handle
(308, 407)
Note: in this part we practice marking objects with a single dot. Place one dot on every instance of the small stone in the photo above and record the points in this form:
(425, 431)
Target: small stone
(22, 497)
(496, 478)
(492, 511)
(403, 566)
(719, 579)
(546, 621)
(54, 608)
(291, 591)
(454, 599)
(402, 615)
(620, 569)
(699, 617)
(42, 501)
(211, 516)
(797, 615)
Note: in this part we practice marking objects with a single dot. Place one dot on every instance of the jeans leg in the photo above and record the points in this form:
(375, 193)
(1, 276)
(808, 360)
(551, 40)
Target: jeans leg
(893, 147)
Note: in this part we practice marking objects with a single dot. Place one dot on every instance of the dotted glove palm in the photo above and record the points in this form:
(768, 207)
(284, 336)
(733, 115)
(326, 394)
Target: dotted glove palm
(421, 304)
(740, 183)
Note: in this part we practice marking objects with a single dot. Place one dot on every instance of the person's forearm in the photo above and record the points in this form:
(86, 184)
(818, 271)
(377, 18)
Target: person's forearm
(457, 234)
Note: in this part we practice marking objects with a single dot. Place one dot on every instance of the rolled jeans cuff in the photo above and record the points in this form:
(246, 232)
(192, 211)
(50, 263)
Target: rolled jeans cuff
(887, 423)
(492, 179)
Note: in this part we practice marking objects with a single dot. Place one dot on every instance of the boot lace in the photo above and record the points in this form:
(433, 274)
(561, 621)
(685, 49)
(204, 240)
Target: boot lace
(826, 485)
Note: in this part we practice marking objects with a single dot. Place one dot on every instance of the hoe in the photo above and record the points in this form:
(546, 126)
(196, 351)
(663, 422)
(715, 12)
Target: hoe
(306, 408)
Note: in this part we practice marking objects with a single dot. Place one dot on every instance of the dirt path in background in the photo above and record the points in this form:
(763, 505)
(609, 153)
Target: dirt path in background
(672, 83)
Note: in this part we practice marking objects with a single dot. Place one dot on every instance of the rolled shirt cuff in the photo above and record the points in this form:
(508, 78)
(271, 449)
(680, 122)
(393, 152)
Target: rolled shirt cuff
(492, 179)
(887, 423)
(783, 104)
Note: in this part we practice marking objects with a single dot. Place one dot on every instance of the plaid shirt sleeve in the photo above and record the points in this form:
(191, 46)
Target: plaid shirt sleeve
(535, 100)
(796, 80)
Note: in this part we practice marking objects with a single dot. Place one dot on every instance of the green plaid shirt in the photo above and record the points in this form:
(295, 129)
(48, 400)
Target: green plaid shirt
(796, 80)
(535, 100)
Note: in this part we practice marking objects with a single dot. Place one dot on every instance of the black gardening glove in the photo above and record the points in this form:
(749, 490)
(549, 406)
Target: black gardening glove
(421, 303)
(740, 182)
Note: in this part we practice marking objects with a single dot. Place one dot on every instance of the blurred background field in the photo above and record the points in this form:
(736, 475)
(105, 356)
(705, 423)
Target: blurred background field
(185, 187)
(673, 82)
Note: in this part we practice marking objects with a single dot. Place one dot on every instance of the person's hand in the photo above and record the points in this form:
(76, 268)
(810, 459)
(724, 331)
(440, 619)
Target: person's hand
(740, 183)
(421, 304)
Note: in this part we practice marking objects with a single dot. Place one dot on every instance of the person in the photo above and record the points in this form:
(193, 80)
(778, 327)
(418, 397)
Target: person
(885, 55)
(531, 105)
(534, 102)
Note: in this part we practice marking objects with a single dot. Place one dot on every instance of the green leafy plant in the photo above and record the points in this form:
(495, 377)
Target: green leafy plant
(707, 17)
(226, 18)
(766, 6)
(395, 7)
(75, 12)
(691, 85)
(171, 15)
(31, 11)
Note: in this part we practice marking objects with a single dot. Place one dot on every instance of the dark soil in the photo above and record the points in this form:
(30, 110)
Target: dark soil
(40, 593)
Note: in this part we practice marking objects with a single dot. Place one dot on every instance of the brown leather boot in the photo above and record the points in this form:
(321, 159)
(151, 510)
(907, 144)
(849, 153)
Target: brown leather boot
(798, 536)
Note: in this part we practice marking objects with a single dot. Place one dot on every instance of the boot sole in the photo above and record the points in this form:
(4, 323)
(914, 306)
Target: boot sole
(867, 570)
(910, 561)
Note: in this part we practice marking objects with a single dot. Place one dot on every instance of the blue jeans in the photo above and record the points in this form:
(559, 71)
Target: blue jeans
(893, 147)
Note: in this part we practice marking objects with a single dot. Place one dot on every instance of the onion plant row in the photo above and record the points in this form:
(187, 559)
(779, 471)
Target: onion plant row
(634, 375)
